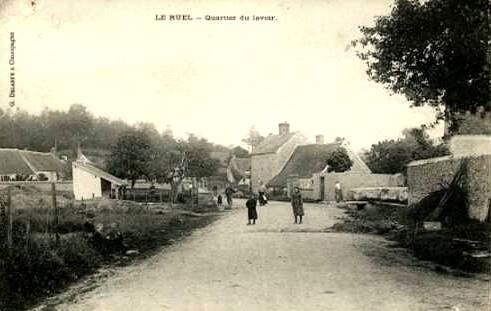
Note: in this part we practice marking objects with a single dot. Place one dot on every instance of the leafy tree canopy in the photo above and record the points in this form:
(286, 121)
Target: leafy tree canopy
(131, 156)
(339, 161)
(434, 52)
(392, 156)
(240, 152)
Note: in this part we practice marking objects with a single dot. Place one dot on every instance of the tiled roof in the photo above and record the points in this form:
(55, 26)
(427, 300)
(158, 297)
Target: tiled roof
(272, 143)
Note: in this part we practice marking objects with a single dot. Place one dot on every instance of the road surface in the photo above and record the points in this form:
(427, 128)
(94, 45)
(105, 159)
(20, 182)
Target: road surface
(278, 265)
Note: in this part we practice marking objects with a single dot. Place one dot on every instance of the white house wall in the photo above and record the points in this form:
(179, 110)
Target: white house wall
(86, 185)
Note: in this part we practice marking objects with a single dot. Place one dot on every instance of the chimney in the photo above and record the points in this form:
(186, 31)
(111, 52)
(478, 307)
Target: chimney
(284, 128)
(319, 139)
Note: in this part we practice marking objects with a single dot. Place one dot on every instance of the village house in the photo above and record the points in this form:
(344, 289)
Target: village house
(308, 170)
(90, 182)
(239, 173)
(25, 165)
(271, 155)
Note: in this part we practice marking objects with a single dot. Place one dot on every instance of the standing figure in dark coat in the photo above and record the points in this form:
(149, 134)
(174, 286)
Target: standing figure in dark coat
(297, 205)
(229, 191)
(251, 210)
(219, 200)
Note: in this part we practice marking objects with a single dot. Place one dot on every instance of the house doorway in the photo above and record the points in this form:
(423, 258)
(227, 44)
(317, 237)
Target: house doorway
(105, 188)
(323, 188)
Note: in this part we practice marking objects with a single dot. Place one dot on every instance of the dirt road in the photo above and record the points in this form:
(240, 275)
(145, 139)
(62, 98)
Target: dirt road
(277, 265)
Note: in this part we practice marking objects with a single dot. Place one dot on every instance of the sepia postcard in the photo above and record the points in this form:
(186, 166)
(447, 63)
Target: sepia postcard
(245, 155)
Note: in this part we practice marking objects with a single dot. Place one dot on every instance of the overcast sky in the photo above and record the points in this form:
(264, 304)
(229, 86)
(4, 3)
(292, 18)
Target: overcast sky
(214, 79)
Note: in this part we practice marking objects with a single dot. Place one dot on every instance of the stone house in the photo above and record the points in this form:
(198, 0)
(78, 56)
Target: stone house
(307, 170)
(272, 154)
(22, 165)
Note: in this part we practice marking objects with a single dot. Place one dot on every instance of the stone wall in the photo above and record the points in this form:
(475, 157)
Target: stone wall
(478, 187)
(470, 145)
(386, 194)
(426, 176)
(351, 181)
(311, 187)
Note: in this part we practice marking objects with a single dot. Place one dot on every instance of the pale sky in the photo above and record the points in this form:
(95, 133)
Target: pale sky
(212, 78)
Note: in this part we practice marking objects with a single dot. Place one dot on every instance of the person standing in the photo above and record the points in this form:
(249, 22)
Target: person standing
(262, 194)
(338, 191)
(219, 200)
(229, 191)
(297, 205)
(251, 210)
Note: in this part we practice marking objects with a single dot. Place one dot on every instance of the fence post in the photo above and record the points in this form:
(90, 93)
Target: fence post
(9, 219)
(57, 212)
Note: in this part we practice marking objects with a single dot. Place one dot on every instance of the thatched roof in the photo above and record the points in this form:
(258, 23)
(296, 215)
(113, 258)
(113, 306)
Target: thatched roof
(272, 143)
(305, 161)
(11, 162)
(14, 161)
(309, 159)
(243, 165)
(42, 161)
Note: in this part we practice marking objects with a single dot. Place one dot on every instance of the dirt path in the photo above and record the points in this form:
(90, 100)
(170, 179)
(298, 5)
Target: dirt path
(276, 265)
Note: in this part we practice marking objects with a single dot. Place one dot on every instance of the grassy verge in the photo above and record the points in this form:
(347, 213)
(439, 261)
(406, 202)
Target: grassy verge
(90, 237)
(462, 245)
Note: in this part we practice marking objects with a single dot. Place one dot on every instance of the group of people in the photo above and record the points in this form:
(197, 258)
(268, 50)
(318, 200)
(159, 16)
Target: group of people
(296, 202)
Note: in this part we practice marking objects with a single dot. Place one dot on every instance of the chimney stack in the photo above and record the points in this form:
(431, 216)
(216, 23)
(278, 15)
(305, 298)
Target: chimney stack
(319, 139)
(284, 128)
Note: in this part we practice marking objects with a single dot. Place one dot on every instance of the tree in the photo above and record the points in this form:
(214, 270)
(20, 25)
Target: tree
(77, 125)
(254, 138)
(131, 156)
(199, 162)
(240, 152)
(433, 52)
(339, 161)
(392, 156)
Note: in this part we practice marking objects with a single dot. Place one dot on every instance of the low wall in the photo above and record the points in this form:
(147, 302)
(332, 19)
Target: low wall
(389, 194)
(44, 186)
(351, 181)
(426, 176)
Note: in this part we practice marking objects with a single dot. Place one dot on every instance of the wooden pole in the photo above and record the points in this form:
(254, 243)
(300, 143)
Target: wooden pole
(9, 220)
(57, 211)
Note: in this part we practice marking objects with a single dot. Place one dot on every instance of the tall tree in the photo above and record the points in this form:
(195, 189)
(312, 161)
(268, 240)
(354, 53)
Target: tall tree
(131, 156)
(253, 139)
(77, 126)
(434, 52)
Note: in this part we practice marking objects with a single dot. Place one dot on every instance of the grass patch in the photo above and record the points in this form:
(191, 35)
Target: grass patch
(89, 237)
